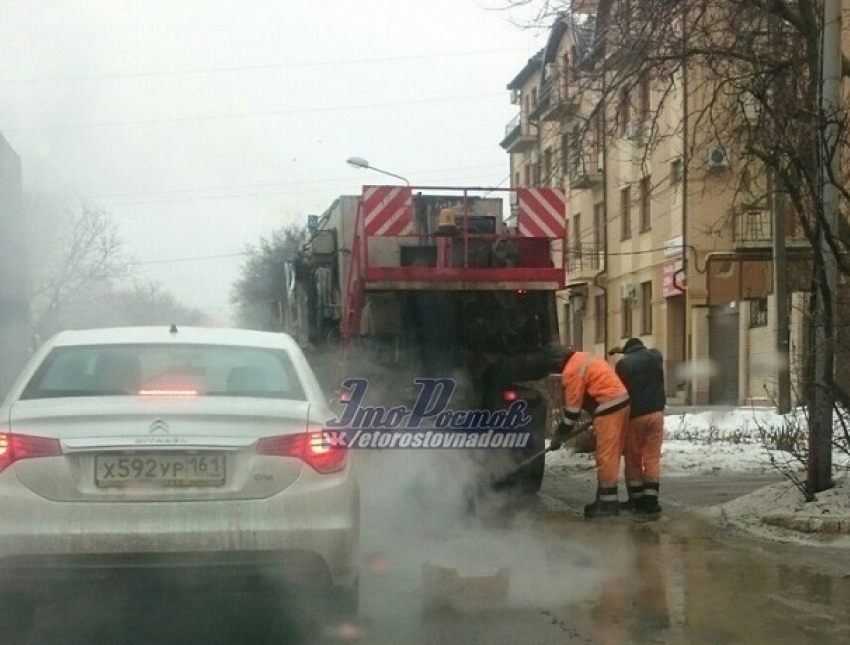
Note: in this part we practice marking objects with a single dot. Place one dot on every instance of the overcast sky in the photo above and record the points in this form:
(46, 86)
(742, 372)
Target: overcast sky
(204, 124)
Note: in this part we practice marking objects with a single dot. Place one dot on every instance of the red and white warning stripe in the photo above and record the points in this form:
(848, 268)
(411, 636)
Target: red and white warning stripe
(387, 210)
(542, 212)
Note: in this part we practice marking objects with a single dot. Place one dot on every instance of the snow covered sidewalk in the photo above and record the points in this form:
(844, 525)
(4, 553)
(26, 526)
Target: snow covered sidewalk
(735, 441)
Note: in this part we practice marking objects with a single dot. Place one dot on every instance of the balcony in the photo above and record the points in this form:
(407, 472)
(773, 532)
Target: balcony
(583, 264)
(753, 230)
(558, 101)
(520, 135)
(586, 167)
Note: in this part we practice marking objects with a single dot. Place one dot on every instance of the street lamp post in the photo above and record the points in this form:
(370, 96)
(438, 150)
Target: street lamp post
(360, 162)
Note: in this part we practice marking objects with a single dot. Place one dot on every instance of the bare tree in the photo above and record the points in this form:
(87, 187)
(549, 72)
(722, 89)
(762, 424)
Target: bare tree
(139, 303)
(262, 281)
(74, 249)
(747, 77)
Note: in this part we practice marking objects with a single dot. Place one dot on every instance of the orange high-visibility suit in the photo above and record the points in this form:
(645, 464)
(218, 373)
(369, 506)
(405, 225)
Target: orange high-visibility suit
(590, 383)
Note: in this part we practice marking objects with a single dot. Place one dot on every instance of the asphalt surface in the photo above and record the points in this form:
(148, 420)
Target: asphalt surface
(570, 580)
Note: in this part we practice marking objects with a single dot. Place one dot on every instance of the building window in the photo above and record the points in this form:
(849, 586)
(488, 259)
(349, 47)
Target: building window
(675, 172)
(517, 179)
(577, 235)
(758, 312)
(646, 308)
(644, 97)
(565, 154)
(626, 212)
(527, 171)
(533, 97)
(626, 318)
(598, 235)
(624, 111)
(599, 318)
(548, 174)
(645, 191)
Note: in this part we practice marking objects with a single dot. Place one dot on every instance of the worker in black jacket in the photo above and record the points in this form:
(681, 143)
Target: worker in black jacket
(642, 372)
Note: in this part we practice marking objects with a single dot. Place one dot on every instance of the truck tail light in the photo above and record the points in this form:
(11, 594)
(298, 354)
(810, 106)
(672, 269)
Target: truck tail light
(510, 395)
(317, 449)
(14, 447)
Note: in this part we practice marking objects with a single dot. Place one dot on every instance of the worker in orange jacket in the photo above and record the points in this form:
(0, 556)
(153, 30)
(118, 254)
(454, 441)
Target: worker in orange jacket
(590, 383)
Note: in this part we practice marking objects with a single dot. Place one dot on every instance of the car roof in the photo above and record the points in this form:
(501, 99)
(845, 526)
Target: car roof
(184, 335)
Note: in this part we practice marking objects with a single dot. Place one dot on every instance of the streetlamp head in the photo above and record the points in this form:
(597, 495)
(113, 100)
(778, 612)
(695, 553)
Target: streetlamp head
(358, 162)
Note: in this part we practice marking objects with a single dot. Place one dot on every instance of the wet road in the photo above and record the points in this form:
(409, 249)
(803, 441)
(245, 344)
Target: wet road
(571, 581)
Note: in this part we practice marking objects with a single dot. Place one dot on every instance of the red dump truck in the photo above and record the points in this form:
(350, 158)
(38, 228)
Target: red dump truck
(404, 282)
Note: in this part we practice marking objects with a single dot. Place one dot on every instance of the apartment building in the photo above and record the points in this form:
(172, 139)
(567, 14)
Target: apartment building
(661, 245)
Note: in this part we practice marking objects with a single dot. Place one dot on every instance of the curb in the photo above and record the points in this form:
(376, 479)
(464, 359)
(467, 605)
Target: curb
(810, 524)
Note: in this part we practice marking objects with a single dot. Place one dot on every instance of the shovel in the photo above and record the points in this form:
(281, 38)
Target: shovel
(513, 473)
(579, 428)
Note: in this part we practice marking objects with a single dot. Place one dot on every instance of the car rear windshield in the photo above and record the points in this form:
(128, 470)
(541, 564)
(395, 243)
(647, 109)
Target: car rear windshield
(177, 370)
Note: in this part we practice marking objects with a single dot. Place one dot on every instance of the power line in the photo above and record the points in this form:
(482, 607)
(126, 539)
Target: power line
(190, 259)
(245, 195)
(250, 68)
(243, 115)
(275, 184)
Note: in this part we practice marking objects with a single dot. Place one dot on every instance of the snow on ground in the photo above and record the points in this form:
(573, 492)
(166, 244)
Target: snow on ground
(779, 513)
(680, 458)
(742, 440)
(737, 440)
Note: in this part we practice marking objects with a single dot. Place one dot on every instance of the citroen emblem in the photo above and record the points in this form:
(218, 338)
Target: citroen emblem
(159, 426)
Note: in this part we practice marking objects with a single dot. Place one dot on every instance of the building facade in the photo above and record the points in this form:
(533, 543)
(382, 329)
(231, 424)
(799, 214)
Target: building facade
(657, 240)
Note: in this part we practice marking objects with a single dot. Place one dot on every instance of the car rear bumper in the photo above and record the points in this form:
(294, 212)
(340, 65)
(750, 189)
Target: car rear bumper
(247, 571)
(304, 533)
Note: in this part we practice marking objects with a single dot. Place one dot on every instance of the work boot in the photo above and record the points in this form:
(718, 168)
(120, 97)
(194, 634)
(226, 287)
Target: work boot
(606, 504)
(649, 501)
(635, 492)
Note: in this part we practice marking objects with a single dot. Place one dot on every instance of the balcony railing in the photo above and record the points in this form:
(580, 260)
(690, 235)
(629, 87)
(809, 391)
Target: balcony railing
(558, 100)
(586, 166)
(519, 134)
(754, 228)
(513, 124)
(584, 261)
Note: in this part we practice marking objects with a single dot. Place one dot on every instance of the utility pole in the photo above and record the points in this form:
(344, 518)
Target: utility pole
(820, 433)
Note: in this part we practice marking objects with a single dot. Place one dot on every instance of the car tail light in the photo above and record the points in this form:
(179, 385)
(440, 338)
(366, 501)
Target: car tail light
(14, 447)
(316, 449)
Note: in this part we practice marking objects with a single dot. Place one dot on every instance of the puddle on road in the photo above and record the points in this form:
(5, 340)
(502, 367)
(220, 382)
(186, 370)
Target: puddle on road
(614, 581)
(671, 587)
(572, 581)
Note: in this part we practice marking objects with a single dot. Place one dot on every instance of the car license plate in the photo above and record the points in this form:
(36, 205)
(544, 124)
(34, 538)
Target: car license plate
(161, 470)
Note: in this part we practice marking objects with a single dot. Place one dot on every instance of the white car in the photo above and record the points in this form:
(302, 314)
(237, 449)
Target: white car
(150, 447)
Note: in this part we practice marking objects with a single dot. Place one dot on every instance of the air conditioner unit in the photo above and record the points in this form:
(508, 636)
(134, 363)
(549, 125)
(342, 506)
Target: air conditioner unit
(718, 157)
(628, 291)
(634, 130)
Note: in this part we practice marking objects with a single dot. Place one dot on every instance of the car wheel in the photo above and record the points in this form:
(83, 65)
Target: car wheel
(16, 617)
